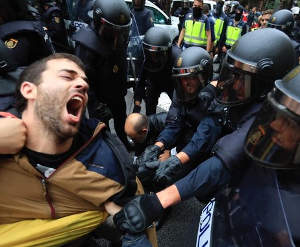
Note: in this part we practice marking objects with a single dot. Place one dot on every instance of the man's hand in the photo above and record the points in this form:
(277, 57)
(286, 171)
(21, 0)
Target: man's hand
(165, 155)
(136, 109)
(12, 135)
(168, 171)
(138, 214)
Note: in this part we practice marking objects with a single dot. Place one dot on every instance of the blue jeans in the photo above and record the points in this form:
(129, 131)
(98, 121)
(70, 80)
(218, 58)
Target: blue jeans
(130, 240)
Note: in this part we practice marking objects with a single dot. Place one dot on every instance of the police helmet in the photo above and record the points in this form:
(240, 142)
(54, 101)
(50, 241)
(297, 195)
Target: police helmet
(7, 62)
(274, 138)
(112, 21)
(138, 4)
(157, 47)
(283, 20)
(192, 71)
(219, 7)
(233, 6)
(250, 66)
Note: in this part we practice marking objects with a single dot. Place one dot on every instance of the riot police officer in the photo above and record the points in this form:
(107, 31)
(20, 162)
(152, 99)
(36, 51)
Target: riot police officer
(102, 48)
(181, 12)
(187, 126)
(26, 38)
(157, 72)
(235, 29)
(246, 78)
(284, 20)
(220, 26)
(9, 74)
(51, 16)
(144, 17)
(196, 30)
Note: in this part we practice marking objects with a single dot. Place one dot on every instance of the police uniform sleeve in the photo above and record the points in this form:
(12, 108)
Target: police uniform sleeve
(208, 177)
(233, 155)
(139, 92)
(207, 25)
(174, 124)
(207, 133)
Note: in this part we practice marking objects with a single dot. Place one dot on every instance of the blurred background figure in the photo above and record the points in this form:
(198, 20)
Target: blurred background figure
(143, 17)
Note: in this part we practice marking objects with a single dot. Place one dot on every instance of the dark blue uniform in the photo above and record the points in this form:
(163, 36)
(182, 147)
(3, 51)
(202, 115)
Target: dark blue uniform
(203, 19)
(181, 13)
(144, 19)
(151, 85)
(107, 71)
(53, 20)
(228, 159)
(27, 40)
(224, 18)
(188, 127)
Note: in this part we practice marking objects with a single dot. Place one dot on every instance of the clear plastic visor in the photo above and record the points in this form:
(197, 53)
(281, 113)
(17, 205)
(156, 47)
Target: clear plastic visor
(274, 137)
(234, 86)
(117, 35)
(188, 87)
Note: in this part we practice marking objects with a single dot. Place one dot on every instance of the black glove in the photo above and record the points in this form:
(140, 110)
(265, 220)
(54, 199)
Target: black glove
(151, 153)
(146, 172)
(206, 96)
(167, 172)
(136, 109)
(103, 113)
(138, 214)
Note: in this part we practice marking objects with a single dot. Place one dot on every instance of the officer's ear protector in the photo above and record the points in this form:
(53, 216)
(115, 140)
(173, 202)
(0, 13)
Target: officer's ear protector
(207, 68)
(265, 66)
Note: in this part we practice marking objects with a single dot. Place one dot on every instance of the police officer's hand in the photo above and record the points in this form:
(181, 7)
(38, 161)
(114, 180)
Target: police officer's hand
(167, 172)
(146, 171)
(138, 214)
(205, 97)
(136, 109)
(103, 113)
(151, 153)
(12, 135)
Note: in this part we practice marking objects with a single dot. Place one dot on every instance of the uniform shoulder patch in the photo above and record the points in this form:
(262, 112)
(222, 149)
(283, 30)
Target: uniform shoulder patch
(115, 68)
(57, 19)
(11, 43)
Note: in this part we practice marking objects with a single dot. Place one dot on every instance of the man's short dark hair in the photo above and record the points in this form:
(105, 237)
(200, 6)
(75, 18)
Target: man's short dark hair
(206, 9)
(33, 74)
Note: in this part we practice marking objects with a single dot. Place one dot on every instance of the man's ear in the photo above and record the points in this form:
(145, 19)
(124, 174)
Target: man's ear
(144, 130)
(28, 90)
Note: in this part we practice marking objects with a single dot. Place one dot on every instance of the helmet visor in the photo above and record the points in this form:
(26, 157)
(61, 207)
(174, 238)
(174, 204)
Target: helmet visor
(116, 35)
(273, 139)
(234, 86)
(187, 87)
(156, 57)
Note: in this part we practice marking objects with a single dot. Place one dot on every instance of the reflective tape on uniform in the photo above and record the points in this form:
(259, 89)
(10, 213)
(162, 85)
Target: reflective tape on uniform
(218, 28)
(195, 33)
(232, 35)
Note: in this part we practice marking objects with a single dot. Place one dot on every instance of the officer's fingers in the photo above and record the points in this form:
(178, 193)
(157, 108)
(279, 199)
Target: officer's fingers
(152, 164)
(119, 218)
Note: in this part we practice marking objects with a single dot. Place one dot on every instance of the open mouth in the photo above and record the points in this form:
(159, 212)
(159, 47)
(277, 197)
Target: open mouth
(74, 108)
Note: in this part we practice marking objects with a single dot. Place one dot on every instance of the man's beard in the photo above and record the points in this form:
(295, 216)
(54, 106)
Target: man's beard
(49, 110)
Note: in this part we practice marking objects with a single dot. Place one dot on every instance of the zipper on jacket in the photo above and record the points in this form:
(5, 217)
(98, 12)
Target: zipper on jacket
(48, 199)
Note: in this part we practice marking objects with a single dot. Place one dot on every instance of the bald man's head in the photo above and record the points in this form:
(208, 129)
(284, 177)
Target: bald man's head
(136, 127)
